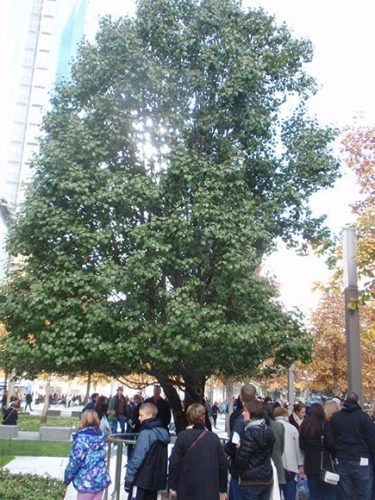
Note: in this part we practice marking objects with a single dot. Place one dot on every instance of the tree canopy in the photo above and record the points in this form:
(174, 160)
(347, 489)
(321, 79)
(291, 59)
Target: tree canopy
(171, 161)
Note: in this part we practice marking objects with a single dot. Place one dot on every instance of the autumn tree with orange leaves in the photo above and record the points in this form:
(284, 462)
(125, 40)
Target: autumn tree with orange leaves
(329, 365)
(359, 149)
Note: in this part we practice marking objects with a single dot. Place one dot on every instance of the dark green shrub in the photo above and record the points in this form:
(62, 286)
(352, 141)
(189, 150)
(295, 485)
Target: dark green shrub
(30, 487)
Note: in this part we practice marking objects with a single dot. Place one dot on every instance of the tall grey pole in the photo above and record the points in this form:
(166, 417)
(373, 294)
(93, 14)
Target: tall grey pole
(352, 331)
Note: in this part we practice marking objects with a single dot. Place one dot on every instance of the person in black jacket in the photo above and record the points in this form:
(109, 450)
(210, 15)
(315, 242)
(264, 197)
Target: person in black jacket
(354, 436)
(197, 466)
(253, 456)
(236, 428)
(315, 439)
(214, 412)
(29, 400)
(164, 410)
(10, 416)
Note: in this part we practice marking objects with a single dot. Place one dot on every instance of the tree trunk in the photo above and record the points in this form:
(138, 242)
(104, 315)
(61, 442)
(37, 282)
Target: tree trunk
(11, 386)
(175, 403)
(229, 397)
(194, 393)
(87, 395)
(194, 389)
(6, 374)
(43, 417)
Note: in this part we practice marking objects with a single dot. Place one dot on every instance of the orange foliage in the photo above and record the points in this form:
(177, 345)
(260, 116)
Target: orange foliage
(359, 148)
(329, 366)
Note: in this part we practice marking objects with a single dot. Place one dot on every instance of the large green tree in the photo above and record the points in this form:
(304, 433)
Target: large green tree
(176, 155)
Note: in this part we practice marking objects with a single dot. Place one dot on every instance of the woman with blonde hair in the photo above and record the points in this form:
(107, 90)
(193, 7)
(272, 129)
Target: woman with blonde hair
(197, 466)
(87, 467)
(330, 407)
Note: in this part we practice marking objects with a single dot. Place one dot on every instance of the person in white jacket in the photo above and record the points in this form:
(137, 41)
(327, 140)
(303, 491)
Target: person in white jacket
(292, 457)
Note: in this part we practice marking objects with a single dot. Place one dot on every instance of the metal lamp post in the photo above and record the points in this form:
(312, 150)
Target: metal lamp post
(351, 311)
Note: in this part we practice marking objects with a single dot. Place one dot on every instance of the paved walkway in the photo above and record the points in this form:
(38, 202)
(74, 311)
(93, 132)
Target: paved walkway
(55, 467)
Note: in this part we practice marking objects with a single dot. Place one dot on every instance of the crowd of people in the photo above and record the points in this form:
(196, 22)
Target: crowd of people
(330, 447)
(271, 452)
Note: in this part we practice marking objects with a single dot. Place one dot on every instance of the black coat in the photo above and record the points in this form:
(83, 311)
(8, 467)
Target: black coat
(311, 443)
(236, 424)
(10, 416)
(353, 432)
(201, 472)
(253, 457)
(153, 473)
(164, 410)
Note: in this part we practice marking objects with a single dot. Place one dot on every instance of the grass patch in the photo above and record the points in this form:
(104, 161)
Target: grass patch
(30, 486)
(5, 459)
(32, 423)
(20, 447)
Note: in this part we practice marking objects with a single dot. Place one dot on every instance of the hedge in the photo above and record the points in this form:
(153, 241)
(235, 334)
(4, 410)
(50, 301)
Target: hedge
(30, 486)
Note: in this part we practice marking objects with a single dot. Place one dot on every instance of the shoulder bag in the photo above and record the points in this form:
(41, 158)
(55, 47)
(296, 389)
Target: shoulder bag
(326, 476)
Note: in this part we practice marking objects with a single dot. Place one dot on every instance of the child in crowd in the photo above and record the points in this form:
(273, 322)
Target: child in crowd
(146, 472)
(87, 468)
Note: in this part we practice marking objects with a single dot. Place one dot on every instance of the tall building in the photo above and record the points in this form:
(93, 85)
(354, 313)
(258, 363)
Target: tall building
(53, 32)
(71, 37)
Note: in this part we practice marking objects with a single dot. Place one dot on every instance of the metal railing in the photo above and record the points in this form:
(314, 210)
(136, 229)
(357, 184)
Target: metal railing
(120, 440)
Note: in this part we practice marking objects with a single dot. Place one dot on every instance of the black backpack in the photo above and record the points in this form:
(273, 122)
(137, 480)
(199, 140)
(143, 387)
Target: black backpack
(152, 474)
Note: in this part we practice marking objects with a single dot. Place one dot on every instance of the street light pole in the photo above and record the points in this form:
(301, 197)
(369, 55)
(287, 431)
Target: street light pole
(352, 330)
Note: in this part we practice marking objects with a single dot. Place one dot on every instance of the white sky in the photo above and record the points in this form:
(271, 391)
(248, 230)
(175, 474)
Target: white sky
(343, 37)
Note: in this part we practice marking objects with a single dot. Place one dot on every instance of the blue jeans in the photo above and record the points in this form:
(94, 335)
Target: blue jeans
(122, 420)
(289, 489)
(234, 489)
(256, 492)
(319, 490)
(355, 480)
(113, 424)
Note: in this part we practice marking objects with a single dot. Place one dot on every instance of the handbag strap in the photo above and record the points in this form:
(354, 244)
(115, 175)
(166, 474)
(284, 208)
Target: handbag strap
(10, 412)
(321, 450)
(321, 446)
(196, 441)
